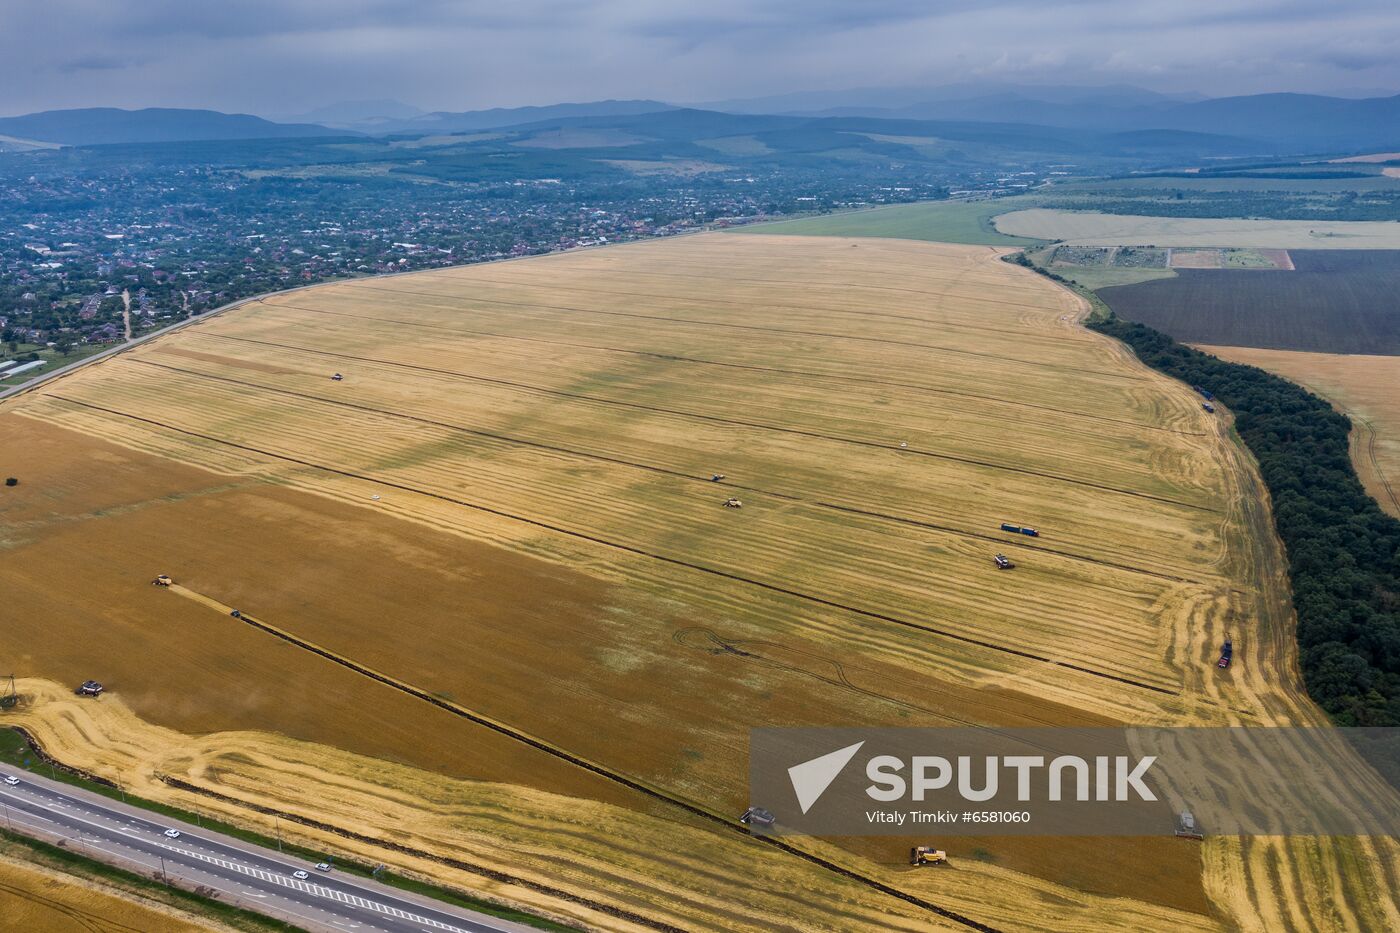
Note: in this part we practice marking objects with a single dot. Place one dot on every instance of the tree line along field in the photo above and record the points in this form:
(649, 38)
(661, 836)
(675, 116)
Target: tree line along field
(506, 504)
(1336, 301)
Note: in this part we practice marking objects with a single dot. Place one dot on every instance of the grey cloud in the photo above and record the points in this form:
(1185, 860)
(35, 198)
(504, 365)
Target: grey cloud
(288, 55)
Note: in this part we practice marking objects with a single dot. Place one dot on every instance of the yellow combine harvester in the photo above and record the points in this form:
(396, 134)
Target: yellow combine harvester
(927, 855)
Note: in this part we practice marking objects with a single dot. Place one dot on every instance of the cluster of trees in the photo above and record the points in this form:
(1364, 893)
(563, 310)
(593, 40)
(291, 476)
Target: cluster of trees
(1343, 551)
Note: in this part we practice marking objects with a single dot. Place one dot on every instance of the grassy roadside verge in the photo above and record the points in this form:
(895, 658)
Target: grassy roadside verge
(135, 886)
(18, 753)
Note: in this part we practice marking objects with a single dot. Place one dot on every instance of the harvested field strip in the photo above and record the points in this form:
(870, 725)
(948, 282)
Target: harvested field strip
(733, 421)
(923, 319)
(656, 793)
(784, 330)
(653, 468)
(943, 306)
(683, 872)
(755, 613)
(668, 270)
(900, 486)
(834, 377)
(641, 552)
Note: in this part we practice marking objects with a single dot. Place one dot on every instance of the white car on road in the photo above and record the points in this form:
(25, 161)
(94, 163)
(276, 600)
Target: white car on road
(300, 875)
(172, 834)
(323, 866)
(11, 780)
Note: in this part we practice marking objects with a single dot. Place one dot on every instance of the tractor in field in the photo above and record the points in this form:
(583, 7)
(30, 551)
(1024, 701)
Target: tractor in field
(162, 580)
(927, 855)
(1227, 652)
(716, 477)
(337, 377)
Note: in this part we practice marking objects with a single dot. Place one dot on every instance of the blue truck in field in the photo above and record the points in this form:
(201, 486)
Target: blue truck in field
(1018, 529)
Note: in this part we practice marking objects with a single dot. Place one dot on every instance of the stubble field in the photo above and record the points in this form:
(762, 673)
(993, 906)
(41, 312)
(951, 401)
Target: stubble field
(40, 900)
(503, 567)
(1365, 388)
(1091, 228)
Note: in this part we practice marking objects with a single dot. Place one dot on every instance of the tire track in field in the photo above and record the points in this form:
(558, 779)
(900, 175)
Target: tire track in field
(636, 551)
(95, 923)
(759, 327)
(671, 357)
(665, 471)
(799, 432)
(578, 761)
(1376, 464)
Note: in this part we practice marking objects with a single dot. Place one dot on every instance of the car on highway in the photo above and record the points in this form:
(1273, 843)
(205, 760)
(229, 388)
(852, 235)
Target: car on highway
(323, 866)
(11, 780)
(300, 874)
(172, 833)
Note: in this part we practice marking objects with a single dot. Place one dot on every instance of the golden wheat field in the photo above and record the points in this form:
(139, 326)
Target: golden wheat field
(508, 504)
(40, 900)
(1366, 388)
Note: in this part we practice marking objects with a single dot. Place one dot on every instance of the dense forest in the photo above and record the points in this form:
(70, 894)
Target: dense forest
(1343, 551)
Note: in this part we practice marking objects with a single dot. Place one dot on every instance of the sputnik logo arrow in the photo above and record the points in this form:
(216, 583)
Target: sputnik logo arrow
(811, 778)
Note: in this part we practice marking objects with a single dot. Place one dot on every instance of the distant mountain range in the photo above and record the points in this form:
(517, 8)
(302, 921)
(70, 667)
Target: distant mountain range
(360, 115)
(154, 125)
(1285, 123)
(1264, 124)
(867, 101)
(443, 121)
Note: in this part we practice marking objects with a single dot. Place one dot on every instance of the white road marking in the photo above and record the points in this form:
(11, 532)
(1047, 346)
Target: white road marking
(317, 890)
(283, 880)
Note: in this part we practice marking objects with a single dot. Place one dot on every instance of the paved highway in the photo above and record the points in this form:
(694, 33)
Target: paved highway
(254, 878)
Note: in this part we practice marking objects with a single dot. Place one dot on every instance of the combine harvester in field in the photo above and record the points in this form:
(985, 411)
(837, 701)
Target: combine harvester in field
(1186, 827)
(89, 688)
(733, 503)
(927, 855)
(162, 580)
(758, 816)
(1227, 652)
(1003, 563)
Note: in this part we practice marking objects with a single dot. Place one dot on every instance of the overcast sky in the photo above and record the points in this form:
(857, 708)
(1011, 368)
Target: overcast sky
(284, 56)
